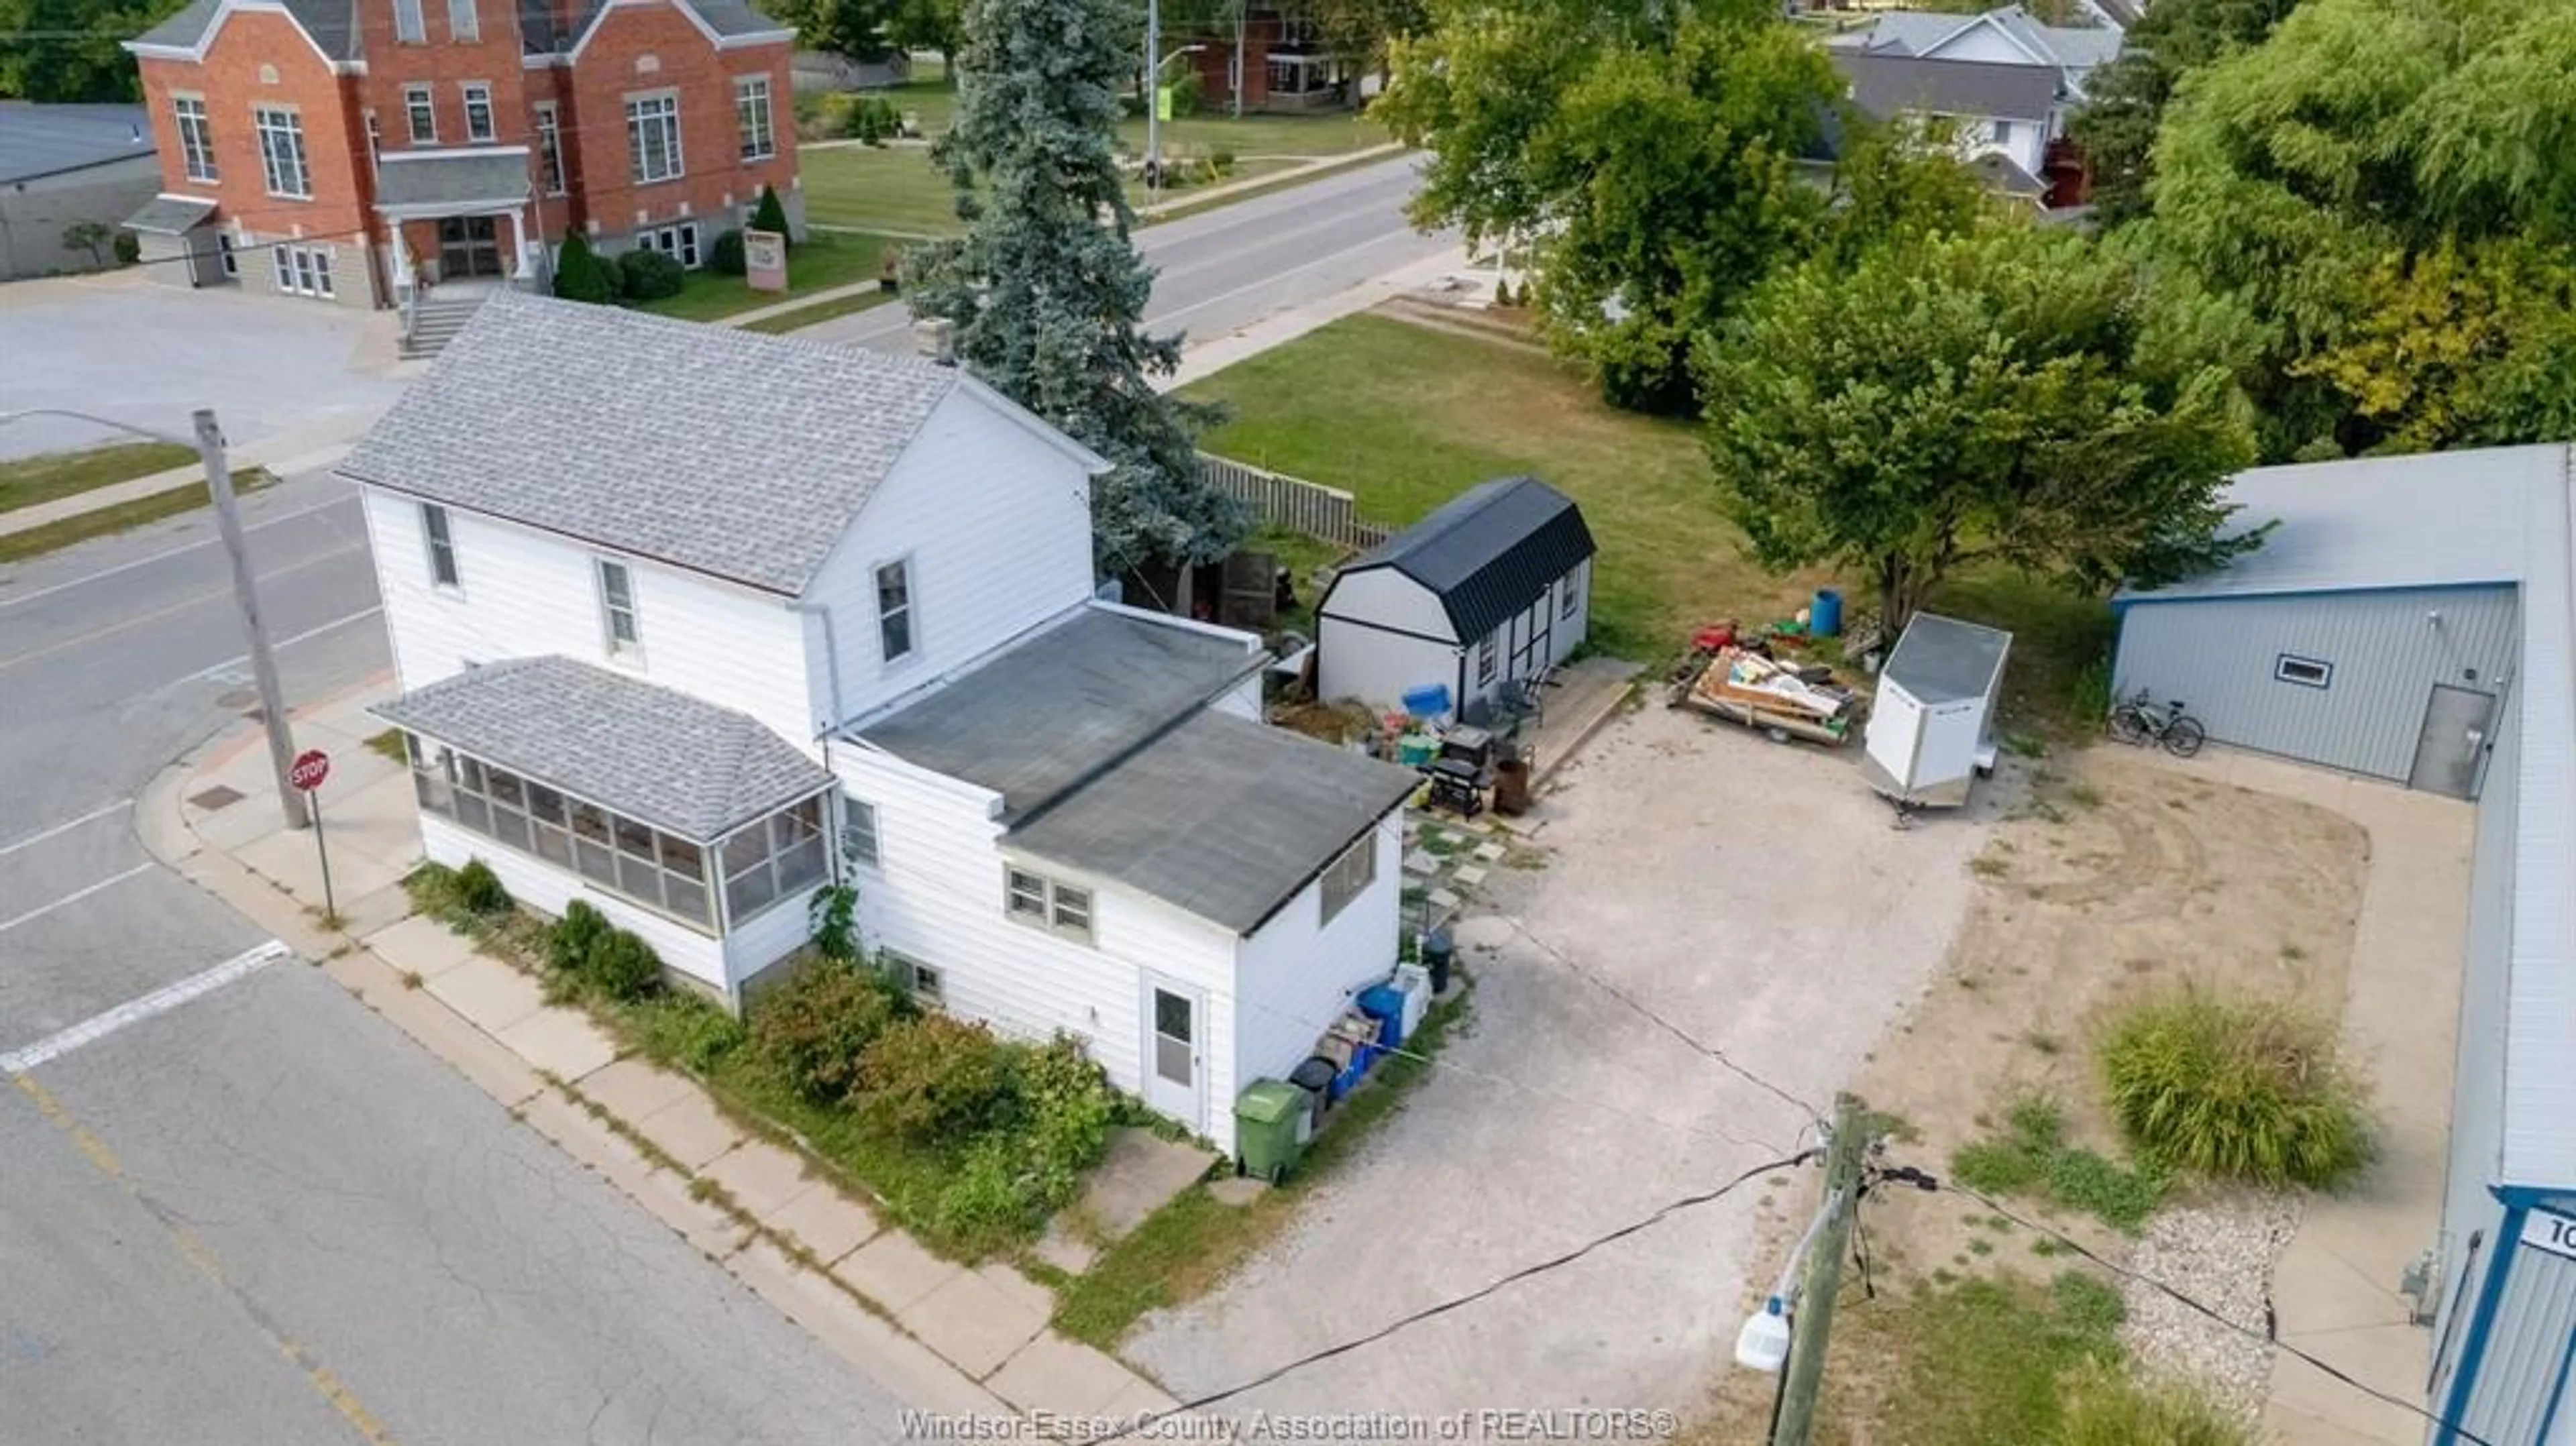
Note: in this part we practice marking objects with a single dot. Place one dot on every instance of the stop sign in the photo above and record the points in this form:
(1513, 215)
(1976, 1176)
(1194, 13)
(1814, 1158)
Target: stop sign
(311, 767)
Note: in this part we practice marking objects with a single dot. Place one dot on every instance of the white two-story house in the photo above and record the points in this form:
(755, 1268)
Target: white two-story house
(1998, 85)
(691, 621)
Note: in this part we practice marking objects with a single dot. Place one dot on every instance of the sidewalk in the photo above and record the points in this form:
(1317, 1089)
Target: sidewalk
(2334, 1287)
(940, 1336)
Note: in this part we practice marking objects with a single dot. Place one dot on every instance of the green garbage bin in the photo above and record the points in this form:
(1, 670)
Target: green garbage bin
(1265, 1128)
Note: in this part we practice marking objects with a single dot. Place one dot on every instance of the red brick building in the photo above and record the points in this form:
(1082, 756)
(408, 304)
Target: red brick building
(360, 151)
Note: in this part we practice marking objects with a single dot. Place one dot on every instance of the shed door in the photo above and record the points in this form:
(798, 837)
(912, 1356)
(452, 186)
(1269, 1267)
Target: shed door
(2457, 726)
(1174, 1019)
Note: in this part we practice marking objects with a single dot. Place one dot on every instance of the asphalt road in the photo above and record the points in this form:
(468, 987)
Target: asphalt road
(1223, 269)
(265, 1216)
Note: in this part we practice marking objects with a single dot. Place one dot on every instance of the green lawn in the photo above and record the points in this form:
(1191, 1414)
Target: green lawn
(52, 476)
(82, 526)
(1404, 417)
(821, 311)
(1332, 134)
(892, 188)
(821, 261)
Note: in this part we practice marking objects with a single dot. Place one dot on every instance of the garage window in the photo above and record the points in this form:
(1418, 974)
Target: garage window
(2306, 672)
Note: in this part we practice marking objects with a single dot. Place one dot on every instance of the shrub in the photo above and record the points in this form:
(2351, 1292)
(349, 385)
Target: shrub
(569, 942)
(580, 274)
(479, 890)
(724, 258)
(1069, 1108)
(623, 966)
(680, 1028)
(129, 248)
(1220, 162)
(814, 1027)
(648, 275)
(770, 214)
(935, 1077)
(991, 1195)
(2235, 1090)
(2106, 1406)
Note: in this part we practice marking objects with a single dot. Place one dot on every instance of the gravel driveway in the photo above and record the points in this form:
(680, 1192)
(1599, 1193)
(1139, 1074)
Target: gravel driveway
(1750, 894)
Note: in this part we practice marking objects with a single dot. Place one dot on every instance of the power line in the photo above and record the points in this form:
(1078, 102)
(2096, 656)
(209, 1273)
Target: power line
(1815, 1117)
(1460, 1302)
(2189, 1302)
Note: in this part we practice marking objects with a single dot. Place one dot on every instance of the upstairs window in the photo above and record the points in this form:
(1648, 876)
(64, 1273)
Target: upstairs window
(751, 114)
(408, 27)
(478, 111)
(196, 137)
(462, 25)
(653, 138)
(442, 545)
(894, 609)
(421, 114)
(281, 153)
(859, 831)
(617, 608)
(550, 147)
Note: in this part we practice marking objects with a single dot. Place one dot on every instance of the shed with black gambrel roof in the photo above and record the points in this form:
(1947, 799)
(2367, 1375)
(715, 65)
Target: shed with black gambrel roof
(1494, 585)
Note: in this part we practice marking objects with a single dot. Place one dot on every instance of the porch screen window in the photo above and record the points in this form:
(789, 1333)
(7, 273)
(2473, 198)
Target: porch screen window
(442, 545)
(653, 137)
(550, 147)
(281, 152)
(858, 831)
(617, 607)
(751, 114)
(894, 609)
(777, 858)
(478, 112)
(1348, 877)
(461, 23)
(620, 855)
(421, 114)
(408, 27)
(196, 137)
(1045, 903)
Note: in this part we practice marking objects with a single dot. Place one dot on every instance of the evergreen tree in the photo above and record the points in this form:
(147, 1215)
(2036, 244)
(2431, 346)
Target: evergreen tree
(769, 215)
(1046, 290)
(580, 275)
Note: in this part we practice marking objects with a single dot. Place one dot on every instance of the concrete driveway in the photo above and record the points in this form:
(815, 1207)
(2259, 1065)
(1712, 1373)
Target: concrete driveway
(276, 370)
(1750, 895)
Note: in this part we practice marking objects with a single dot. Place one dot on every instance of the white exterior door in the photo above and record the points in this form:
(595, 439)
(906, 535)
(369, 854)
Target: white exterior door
(1175, 1051)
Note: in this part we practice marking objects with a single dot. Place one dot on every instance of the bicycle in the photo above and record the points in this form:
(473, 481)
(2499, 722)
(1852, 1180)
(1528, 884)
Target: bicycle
(2140, 722)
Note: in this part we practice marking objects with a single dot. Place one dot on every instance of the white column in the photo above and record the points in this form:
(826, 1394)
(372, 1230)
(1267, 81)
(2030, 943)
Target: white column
(527, 270)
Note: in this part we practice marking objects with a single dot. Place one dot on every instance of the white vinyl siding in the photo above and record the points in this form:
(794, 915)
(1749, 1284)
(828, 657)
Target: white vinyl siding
(282, 162)
(537, 593)
(935, 900)
(1297, 974)
(752, 117)
(478, 111)
(196, 137)
(991, 521)
(653, 137)
(420, 115)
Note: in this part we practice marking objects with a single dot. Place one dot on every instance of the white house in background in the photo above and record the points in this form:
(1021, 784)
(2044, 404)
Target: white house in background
(689, 621)
(1494, 586)
(2002, 82)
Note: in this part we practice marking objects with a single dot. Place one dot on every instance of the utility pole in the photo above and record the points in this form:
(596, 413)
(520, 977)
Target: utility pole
(1824, 1279)
(263, 663)
(1153, 95)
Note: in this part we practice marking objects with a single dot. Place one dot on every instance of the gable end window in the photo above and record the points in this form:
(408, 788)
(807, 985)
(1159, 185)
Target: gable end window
(196, 137)
(421, 114)
(751, 117)
(2306, 672)
(618, 618)
(894, 609)
(1348, 877)
(653, 137)
(462, 25)
(478, 111)
(1044, 903)
(281, 153)
(408, 26)
(442, 545)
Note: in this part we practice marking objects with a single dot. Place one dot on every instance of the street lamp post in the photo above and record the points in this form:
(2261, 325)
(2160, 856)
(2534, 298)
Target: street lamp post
(1154, 90)
(209, 444)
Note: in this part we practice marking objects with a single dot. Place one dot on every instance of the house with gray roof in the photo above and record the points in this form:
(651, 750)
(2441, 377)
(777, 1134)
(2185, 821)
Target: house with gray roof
(62, 166)
(692, 622)
(1997, 86)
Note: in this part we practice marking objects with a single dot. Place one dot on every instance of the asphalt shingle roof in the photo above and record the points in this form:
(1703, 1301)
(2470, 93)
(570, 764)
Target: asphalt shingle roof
(1061, 705)
(736, 454)
(46, 140)
(1885, 85)
(333, 24)
(1487, 552)
(452, 178)
(1222, 816)
(170, 215)
(658, 756)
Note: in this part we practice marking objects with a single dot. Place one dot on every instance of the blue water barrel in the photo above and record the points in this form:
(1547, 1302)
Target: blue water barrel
(1825, 615)
(1427, 702)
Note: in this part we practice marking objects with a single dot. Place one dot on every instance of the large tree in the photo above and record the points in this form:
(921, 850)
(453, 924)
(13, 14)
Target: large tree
(1046, 290)
(2007, 395)
(70, 50)
(859, 29)
(1648, 157)
(2125, 100)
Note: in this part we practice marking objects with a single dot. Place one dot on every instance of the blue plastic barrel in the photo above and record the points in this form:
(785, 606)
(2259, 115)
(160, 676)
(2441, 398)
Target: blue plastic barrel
(1825, 615)
(1427, 702)
(1385, 1004)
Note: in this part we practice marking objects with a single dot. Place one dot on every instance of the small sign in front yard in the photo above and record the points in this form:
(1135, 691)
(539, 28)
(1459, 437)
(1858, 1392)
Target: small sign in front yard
(764, 260)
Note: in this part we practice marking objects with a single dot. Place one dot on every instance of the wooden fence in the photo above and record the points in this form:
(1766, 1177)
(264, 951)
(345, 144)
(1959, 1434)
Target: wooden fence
(1322, 512)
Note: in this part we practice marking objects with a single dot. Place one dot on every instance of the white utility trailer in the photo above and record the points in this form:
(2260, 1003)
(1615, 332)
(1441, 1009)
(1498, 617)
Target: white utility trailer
(1932, 726)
